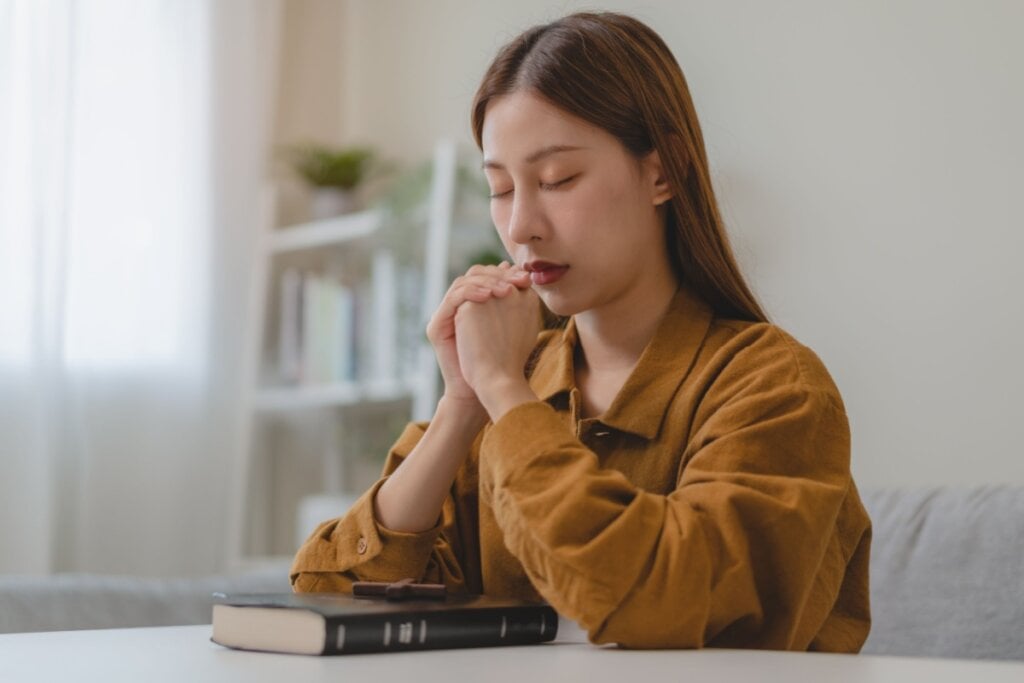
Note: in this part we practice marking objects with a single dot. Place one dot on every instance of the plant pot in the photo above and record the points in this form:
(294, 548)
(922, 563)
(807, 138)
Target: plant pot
(328, 202)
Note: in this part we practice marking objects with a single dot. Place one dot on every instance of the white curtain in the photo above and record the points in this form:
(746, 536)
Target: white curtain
(133, 151)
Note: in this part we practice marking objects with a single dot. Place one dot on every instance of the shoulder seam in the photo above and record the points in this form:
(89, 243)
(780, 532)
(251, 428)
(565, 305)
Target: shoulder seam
(791, 344)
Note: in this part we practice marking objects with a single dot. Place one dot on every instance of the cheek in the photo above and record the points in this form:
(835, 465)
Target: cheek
(617, 206)
(499, 216)
(620, 194)
(592, 209)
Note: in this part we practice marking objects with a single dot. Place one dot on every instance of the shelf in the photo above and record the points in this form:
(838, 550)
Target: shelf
(283, 399)
(324, 232)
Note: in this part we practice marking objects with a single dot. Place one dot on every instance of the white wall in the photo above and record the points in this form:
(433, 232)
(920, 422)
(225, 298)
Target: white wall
(311, 87)
(868, 156)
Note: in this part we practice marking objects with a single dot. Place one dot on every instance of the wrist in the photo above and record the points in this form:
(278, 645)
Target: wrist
(503, 394)
(461, 414)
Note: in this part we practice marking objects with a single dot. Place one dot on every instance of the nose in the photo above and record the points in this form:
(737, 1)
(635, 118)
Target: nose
(525, 225)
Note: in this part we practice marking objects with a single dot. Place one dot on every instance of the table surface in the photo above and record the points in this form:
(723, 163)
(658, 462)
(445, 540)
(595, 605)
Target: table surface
(185, 653)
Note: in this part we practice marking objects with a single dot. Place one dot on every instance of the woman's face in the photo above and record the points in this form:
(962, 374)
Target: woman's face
(573, 206)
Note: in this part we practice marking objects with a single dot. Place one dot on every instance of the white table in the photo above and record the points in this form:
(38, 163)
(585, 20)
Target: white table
(185, 654)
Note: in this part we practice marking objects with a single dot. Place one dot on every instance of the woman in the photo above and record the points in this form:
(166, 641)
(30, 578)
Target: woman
(671, 470)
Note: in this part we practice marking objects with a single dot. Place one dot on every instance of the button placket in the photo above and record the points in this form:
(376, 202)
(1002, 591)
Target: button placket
(595, 434)
(574, 411)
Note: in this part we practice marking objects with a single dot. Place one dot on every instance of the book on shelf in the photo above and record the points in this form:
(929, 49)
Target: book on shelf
(343, 361)
(332, 331)
(289, 339)
(411, 323)
(336, 624)
(316, 342)
(383, 358)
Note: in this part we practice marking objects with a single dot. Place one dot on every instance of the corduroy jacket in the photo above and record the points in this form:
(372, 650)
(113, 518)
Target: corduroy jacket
(711, 505)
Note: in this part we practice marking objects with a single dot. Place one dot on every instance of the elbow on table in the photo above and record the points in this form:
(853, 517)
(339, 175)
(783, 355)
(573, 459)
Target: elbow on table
(320, 582)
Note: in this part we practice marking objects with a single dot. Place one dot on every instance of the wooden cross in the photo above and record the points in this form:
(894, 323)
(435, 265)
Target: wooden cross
(399, 590)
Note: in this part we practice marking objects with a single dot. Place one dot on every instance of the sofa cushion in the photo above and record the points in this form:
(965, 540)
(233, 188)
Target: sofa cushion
(947, 572)
(76, 601)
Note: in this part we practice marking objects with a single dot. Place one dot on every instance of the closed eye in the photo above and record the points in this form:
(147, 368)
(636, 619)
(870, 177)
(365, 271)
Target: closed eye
(544, 186)
(560, 183)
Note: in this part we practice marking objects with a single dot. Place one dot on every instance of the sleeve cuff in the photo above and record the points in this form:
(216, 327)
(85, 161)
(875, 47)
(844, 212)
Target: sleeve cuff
(508, 448)
(358, 542)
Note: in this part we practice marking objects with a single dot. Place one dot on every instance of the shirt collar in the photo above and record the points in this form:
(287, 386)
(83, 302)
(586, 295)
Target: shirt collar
(642, 402)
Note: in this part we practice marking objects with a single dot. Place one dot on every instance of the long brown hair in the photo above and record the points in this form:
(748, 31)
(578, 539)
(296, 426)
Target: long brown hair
(616, 73)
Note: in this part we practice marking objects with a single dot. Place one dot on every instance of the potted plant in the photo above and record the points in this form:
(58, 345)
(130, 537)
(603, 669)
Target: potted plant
(334, 174)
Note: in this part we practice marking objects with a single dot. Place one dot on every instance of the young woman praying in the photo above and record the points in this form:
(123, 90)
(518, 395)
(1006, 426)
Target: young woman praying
(670, 470)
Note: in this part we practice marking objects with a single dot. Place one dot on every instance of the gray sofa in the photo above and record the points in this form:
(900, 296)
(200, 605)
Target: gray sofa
(947, 572)
(79, 601)
(947, 580)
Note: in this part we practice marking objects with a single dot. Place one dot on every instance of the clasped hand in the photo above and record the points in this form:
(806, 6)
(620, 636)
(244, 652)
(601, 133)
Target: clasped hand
(483, 333)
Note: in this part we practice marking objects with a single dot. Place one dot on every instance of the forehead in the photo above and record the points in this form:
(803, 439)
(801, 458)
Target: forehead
(520, 123)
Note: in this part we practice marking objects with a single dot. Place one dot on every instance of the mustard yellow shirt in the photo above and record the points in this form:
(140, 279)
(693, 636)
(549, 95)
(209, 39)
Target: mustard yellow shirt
(710, 505)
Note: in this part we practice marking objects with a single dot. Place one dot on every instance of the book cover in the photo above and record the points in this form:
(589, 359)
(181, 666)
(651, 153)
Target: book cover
(335, 624)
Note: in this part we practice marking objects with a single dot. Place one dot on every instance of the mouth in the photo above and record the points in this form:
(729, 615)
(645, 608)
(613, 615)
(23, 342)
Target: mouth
(545, 272)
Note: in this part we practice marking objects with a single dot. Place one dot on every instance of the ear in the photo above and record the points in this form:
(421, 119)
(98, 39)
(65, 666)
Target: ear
(654, 177)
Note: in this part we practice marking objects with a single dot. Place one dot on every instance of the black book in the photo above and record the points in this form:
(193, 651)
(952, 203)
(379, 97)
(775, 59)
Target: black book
(336, 623)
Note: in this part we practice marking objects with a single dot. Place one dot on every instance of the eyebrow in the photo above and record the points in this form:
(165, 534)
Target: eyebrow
(535, 156)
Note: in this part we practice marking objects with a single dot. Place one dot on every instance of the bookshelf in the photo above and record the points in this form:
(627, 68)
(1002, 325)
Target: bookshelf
(337, 394)
(324, 233)
(377, 369)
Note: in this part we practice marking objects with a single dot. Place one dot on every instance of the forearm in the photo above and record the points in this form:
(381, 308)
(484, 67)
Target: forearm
(410, 500)
(752, 555)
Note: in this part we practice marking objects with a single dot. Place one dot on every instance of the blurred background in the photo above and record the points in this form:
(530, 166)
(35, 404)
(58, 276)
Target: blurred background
(185, 373)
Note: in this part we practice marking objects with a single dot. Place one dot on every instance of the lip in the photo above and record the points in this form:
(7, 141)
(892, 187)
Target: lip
(545, 272)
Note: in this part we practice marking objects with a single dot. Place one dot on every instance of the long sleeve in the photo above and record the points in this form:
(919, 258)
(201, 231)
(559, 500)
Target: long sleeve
(356, 547)
(747, 550)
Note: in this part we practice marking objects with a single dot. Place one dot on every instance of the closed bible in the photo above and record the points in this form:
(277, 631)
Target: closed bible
(337, 624)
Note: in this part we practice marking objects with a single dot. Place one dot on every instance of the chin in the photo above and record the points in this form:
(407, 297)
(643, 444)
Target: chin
(559, 303)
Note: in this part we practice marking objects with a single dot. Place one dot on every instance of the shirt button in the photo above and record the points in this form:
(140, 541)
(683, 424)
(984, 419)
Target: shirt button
(361, 545)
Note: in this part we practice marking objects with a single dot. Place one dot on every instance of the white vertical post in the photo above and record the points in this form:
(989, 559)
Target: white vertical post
(435, 270)
(235, 546)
